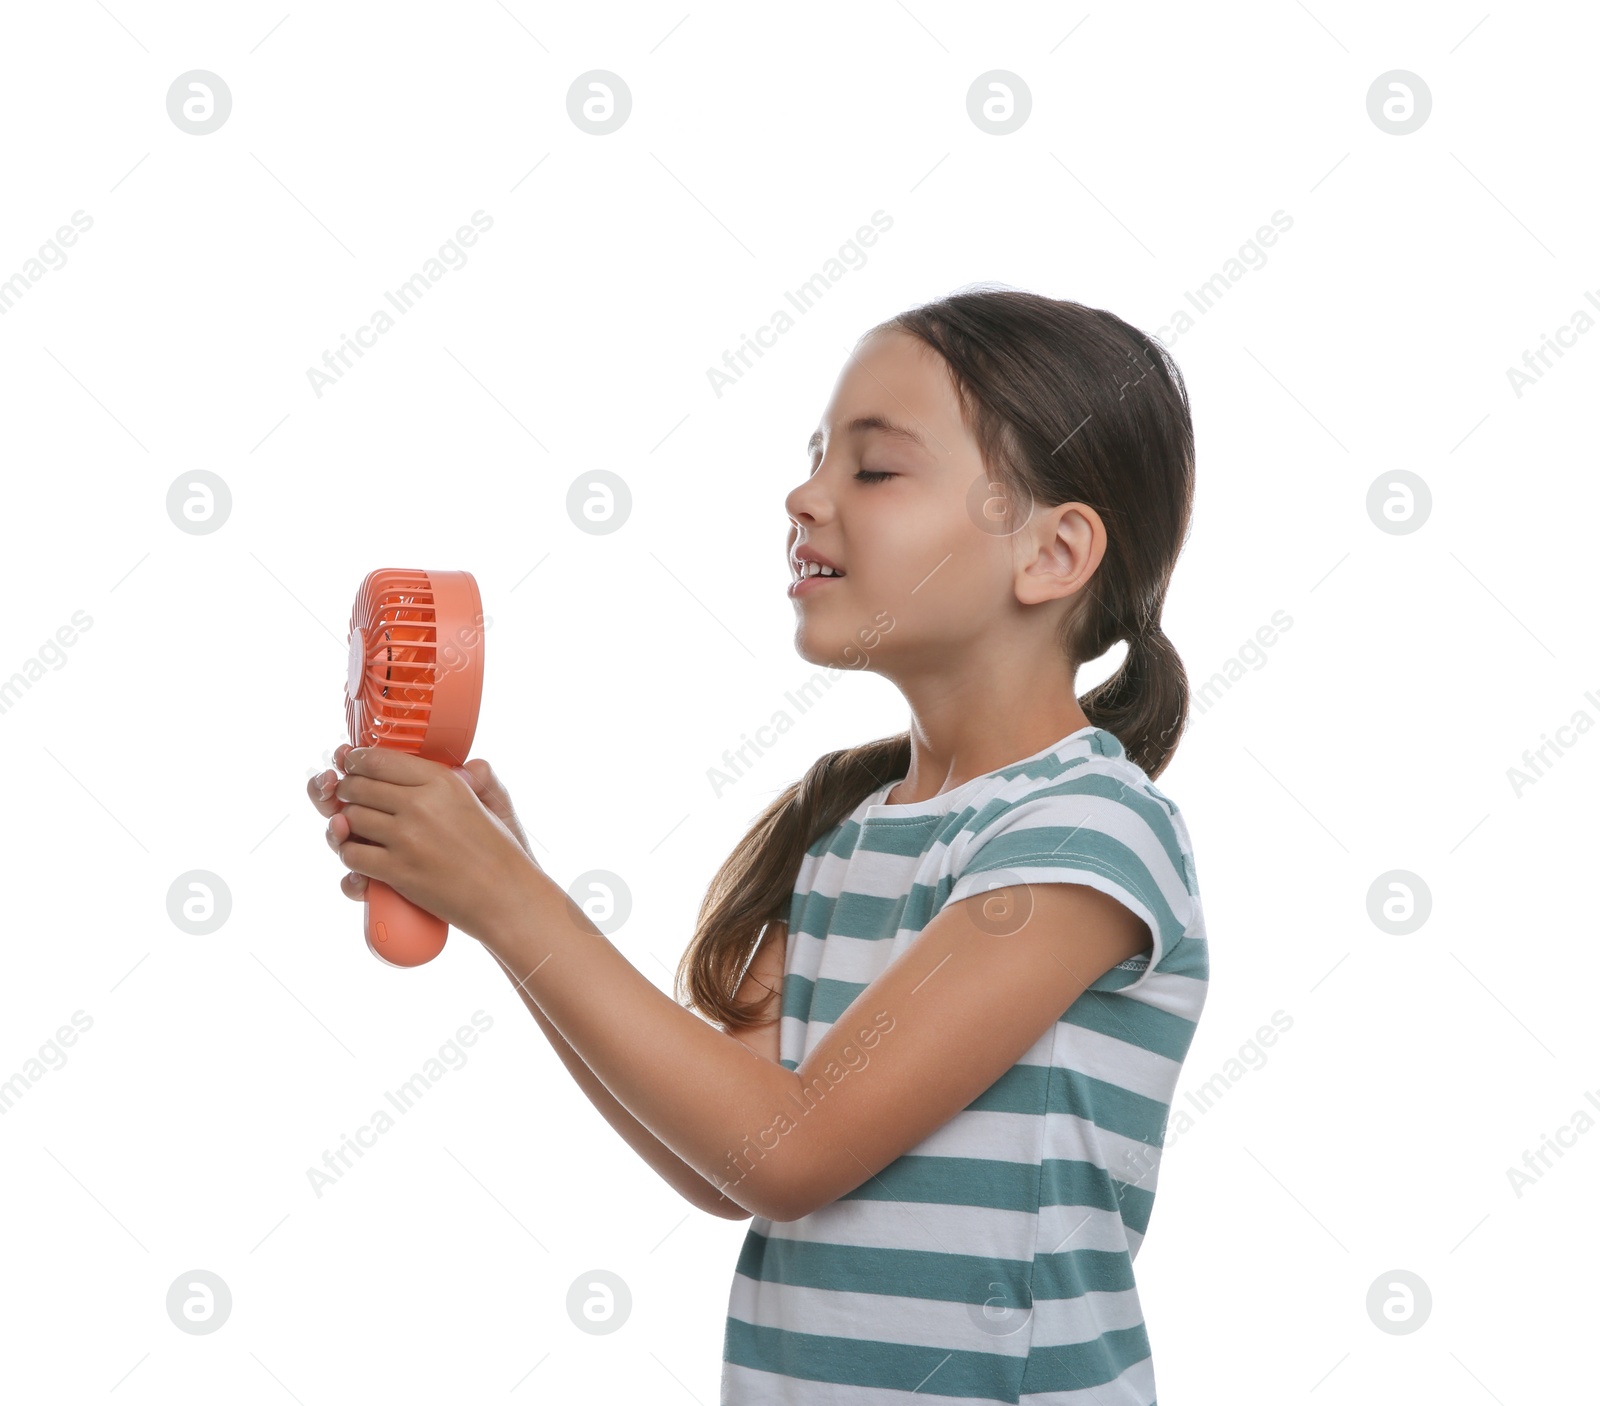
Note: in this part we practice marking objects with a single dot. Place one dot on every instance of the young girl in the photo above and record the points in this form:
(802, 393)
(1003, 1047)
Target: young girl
(948, 978)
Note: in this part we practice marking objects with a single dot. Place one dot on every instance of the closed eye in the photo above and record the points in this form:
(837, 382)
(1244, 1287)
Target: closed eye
(871, 476)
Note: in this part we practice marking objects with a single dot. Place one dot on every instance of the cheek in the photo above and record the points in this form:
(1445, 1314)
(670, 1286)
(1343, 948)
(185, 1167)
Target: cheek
(912, 542)
(946, 585)
(956, 566)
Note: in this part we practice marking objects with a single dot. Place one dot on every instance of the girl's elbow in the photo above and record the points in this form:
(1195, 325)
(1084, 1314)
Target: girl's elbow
(791, 1199)
(752, 1201)
(769, 1207)
(771, 1199)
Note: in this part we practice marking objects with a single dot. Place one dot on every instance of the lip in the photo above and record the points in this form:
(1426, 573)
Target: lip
(799, 556)
(805, 585)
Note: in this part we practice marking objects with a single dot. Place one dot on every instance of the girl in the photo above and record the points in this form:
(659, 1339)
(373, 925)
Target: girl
(940, 994)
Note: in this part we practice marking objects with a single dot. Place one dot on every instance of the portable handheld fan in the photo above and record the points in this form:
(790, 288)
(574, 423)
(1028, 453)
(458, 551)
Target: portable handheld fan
(415, 682)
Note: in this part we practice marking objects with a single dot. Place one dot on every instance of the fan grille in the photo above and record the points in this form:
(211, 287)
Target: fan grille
(394, 684)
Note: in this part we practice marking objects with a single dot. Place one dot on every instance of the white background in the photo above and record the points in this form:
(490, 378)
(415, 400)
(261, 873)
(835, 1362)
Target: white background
(179, 731)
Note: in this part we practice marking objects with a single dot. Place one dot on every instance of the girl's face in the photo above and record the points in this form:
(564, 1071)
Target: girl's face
(896, 495)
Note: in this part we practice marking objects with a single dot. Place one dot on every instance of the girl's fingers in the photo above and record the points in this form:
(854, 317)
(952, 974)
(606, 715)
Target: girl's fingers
(320, 789)
(357, 823)
(367, 791)
(365, 823)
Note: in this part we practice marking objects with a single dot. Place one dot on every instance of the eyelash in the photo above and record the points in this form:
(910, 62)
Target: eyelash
(867, 475)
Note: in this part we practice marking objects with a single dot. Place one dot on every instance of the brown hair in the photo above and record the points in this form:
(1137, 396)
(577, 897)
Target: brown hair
(1067, 404)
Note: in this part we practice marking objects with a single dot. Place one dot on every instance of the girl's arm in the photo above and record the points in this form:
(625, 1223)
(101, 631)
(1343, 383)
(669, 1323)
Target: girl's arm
(948, 1017)
(765, 973)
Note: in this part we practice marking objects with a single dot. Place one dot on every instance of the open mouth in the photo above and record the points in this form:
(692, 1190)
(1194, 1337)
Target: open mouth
(811, 578)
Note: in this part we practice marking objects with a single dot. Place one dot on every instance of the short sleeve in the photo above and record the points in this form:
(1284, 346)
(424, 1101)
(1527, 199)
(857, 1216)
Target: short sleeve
(1123, 840)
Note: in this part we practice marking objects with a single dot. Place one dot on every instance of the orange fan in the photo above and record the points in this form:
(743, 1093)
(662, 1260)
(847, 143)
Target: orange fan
(416, 679)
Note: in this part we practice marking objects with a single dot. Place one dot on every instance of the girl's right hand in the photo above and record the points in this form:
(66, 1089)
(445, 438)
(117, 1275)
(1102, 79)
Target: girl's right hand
(477, 773)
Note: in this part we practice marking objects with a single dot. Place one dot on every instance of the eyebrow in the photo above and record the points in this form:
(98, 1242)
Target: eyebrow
(862, 423)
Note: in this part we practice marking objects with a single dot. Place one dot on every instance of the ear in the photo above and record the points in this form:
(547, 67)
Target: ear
(1059, 553)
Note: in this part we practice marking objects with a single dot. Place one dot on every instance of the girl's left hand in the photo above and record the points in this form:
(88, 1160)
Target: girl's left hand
(419, 827)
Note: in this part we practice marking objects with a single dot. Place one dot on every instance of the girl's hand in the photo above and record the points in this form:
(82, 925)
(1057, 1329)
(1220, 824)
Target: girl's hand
(444, 837)
(478, 773)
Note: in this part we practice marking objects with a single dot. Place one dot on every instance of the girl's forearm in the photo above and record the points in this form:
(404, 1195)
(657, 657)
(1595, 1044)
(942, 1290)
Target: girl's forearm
(707, 1097)
(677, 1173)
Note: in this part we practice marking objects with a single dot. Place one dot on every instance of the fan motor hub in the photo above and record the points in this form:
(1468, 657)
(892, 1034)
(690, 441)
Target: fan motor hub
(358, 664)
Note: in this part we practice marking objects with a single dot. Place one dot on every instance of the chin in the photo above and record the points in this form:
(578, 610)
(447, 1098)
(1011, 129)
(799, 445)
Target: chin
(820, 647)
(831, 650)
(811, 645)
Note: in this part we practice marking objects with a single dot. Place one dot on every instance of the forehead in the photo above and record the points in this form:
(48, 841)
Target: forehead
(896, 387)
(873, 424)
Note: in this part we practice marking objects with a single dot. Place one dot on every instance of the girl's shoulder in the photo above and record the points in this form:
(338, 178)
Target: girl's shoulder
(1084, 805)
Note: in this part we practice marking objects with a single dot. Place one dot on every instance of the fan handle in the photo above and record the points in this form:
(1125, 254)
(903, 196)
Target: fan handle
(398, 932)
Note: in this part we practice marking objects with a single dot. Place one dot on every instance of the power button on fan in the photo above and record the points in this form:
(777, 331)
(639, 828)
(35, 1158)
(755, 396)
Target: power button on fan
(358, 664)
(380, 932)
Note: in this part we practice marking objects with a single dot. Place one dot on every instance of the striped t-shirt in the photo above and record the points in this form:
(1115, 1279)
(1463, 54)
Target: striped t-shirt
(993, 1261)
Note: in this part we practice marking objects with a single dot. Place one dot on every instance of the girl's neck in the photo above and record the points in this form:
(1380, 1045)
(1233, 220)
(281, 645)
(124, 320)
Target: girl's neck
(948, 753)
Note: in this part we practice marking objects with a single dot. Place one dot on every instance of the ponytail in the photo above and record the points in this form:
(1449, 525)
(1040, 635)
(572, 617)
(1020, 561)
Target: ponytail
(1145, 704)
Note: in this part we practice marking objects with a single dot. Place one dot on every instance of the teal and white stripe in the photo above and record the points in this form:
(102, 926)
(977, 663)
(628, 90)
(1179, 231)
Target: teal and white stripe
(917, 1284)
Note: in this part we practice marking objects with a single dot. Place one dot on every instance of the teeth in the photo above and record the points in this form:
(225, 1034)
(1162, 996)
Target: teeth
(811, 568)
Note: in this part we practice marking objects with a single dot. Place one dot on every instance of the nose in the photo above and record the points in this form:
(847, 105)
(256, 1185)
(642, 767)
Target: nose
(809, 502)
